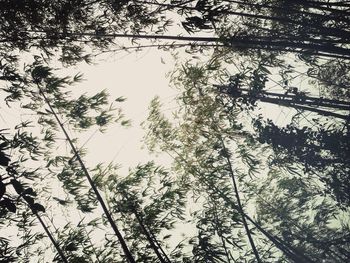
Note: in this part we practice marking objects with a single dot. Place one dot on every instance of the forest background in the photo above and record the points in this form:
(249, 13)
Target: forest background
(247, 186)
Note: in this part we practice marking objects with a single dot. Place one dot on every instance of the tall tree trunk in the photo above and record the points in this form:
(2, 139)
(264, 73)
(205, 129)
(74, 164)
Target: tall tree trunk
(294, 101)
(239, 204)
(125, 248)
(231, 42)
(149, 237)
(335, 14)
(53, 241)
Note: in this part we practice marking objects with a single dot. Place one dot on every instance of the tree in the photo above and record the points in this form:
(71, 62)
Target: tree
(47, 25)
(205, 135)
(213, 151)
(323, 153)
(43, 88)
(39, 85)
(321, 149)
(298, 100)
(153, 212)
(24, 196)
(73, 26)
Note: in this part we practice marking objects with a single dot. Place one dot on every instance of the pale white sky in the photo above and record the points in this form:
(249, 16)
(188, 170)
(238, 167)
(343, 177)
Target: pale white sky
(138, 77)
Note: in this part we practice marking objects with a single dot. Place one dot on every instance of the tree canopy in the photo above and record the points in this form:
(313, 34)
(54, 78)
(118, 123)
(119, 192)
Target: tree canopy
(245, 186)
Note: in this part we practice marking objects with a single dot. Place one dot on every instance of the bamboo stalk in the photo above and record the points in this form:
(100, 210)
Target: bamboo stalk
(239, 204)
(53, 241)
(125, 248)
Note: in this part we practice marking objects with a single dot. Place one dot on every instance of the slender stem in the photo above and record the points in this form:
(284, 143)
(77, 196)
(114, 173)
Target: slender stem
(229, 12)
(302, 107)
(321, 6)
(159, 46)
(317, 243)
(125, 248)
(304, 102)
(311, 101)
(90, 242)
(231, 42)
(220, 233)
(288, 250)
(157, 243)
(60, 252)
(240, 207)
(152, 240)
(289, 10)
(149, 238)
(329, 3)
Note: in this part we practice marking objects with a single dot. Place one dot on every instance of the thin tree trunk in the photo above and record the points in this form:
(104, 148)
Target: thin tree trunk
(53, 241)
(232, 42)
(301, 107)
(295, 255)
(288, 10)
(149, 238)
(304, 103)
(242, 14)
(271, 34)
(218, 229)
(307, 100)
(315, 242)
(158, 245)
(317, 4)
(159, 46)
(239, 204)
(285, 248)
(125, 248)
(245, 43)
(152, 240)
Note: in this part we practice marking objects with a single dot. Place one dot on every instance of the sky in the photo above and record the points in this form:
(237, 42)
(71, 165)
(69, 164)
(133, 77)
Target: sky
(138, 77)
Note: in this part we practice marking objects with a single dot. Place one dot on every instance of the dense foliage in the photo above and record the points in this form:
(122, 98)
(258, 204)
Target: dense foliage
(245, 186)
